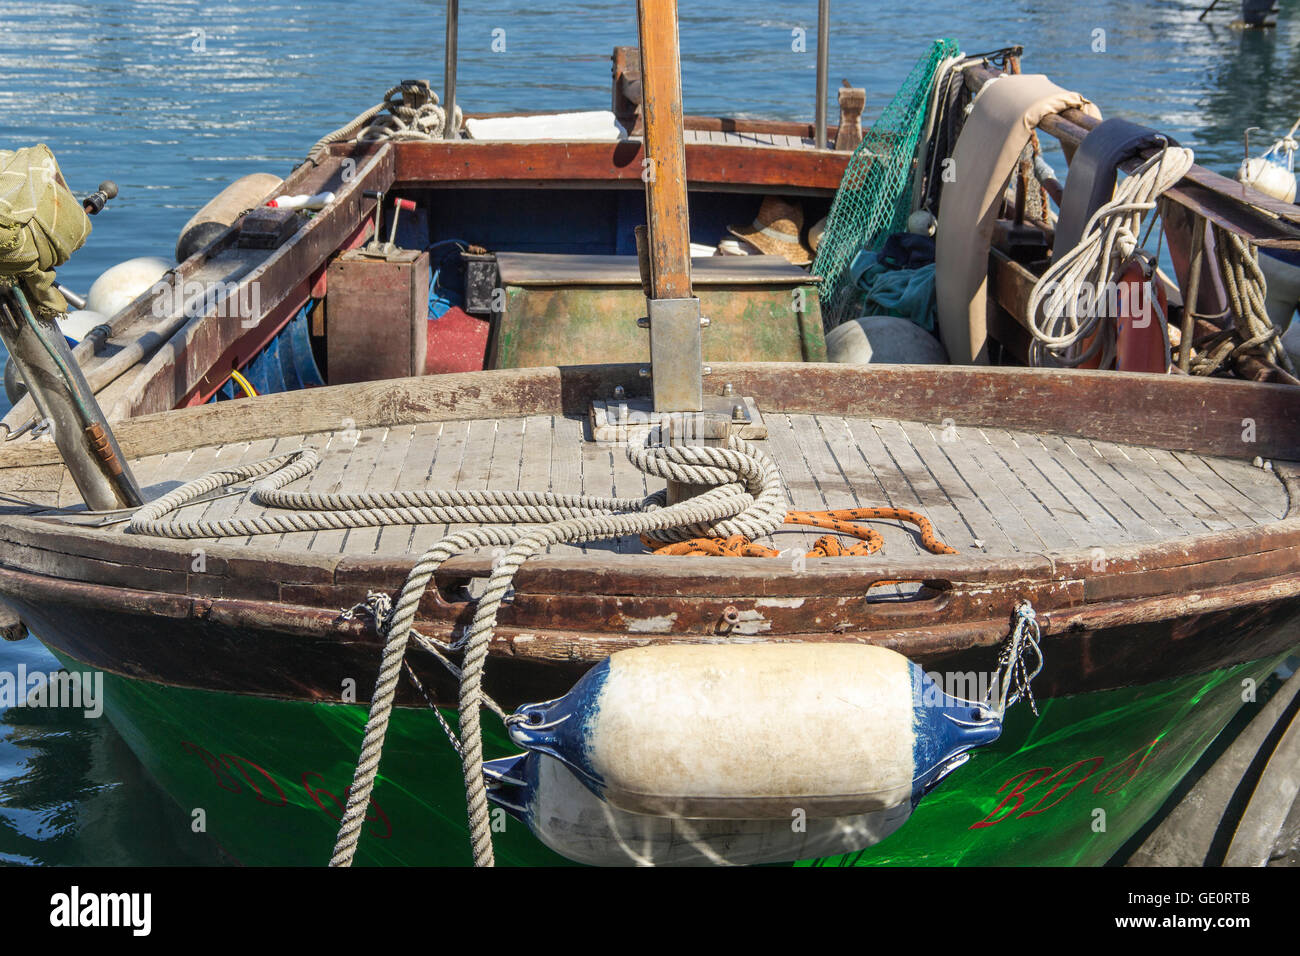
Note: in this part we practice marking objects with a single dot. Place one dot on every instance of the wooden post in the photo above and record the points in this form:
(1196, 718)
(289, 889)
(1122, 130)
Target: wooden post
(675, 346)
(853, 100)
(665, 175)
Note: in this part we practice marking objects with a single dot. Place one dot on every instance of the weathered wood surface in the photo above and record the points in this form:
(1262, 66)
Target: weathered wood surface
(988, 490)
(722, 166)
(1233, 419)
(302, 652)
(665, 172)
(198, 357)
(731, 138)
(1108, 500)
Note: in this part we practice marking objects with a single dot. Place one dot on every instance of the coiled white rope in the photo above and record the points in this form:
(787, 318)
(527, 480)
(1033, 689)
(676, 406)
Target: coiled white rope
(1064, 308)
(746, 498)
(402, 122)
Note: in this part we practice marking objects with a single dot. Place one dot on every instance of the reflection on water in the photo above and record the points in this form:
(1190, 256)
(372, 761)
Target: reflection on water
(173, 99)
(71, 793)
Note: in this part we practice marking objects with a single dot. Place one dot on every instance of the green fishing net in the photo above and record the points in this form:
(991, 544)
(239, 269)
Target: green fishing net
(875, 195)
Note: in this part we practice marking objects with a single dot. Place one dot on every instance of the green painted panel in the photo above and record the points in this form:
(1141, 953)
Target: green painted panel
(270, 774)
(571, 325)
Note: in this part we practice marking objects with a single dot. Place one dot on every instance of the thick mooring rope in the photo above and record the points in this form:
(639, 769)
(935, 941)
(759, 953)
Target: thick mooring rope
(747, 500)
(402, 122)
(1252, 329)
(1085, 274)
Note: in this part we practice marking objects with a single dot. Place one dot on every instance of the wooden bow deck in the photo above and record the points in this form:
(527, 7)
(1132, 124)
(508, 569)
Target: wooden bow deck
(1126, 508)
(988, 490)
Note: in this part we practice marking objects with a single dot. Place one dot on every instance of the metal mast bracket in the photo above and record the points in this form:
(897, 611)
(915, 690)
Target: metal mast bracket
(676, 355)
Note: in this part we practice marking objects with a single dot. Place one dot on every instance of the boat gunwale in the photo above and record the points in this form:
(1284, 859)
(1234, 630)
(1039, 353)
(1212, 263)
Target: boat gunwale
(945, 641)
(1069, 402)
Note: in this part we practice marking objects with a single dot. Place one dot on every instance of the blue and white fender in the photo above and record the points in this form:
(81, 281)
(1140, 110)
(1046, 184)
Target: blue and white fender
(565, 815)
(706, 734)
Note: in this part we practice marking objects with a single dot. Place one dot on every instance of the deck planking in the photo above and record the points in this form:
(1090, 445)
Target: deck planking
(985, 489)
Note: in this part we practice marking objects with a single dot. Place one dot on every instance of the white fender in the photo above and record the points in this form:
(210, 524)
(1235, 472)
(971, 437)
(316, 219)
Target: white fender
(756, 731)
(77, 323)
(120, 285)
(1282, 293)
(883, 339)
(1268, 177)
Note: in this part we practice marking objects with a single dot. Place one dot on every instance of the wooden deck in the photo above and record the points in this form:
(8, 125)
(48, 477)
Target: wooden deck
(987, 490)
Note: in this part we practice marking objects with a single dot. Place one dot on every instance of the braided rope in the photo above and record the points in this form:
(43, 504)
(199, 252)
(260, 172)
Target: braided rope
(1252, 329)
(745, 501)
(402, 122)
(843, 520)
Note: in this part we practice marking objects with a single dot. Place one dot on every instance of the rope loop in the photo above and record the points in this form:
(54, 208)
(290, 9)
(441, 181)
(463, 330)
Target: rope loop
(1063, 311)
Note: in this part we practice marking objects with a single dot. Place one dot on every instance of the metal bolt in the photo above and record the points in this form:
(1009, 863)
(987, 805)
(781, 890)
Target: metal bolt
(643, 372)
(707, 370)
(737, 413)
(704, 322)
(618, 391)
(727, 389)
(643, 322)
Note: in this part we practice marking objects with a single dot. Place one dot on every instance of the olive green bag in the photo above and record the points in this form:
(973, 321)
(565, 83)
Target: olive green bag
(41, 225)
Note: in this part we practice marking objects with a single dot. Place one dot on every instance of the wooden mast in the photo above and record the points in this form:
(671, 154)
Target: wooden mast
(674, 313)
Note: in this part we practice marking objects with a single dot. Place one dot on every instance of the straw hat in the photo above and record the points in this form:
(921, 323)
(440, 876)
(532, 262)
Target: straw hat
(777, 230)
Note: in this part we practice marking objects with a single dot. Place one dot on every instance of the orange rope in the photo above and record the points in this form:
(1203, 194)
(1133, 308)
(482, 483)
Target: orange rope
(843, 521)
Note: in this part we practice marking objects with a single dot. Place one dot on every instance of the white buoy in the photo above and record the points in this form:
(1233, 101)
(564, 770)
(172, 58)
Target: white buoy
(1291, 342)
(119, 286)
(1270, 178)
(815, 233)
(221, 211)
(883, 340)
(756, 731)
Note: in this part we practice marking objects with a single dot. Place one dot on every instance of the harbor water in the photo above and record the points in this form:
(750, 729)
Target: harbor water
(175, 99)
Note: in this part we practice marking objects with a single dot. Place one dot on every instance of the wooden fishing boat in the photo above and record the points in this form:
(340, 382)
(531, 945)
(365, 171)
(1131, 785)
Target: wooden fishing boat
(1161, 563)
(1143, 525)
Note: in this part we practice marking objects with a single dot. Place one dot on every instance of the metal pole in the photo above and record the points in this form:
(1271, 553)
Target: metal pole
(449, 73)
(823, 65)
(81, 432)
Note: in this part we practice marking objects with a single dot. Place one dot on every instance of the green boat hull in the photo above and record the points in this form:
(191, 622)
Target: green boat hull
(266, 777)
